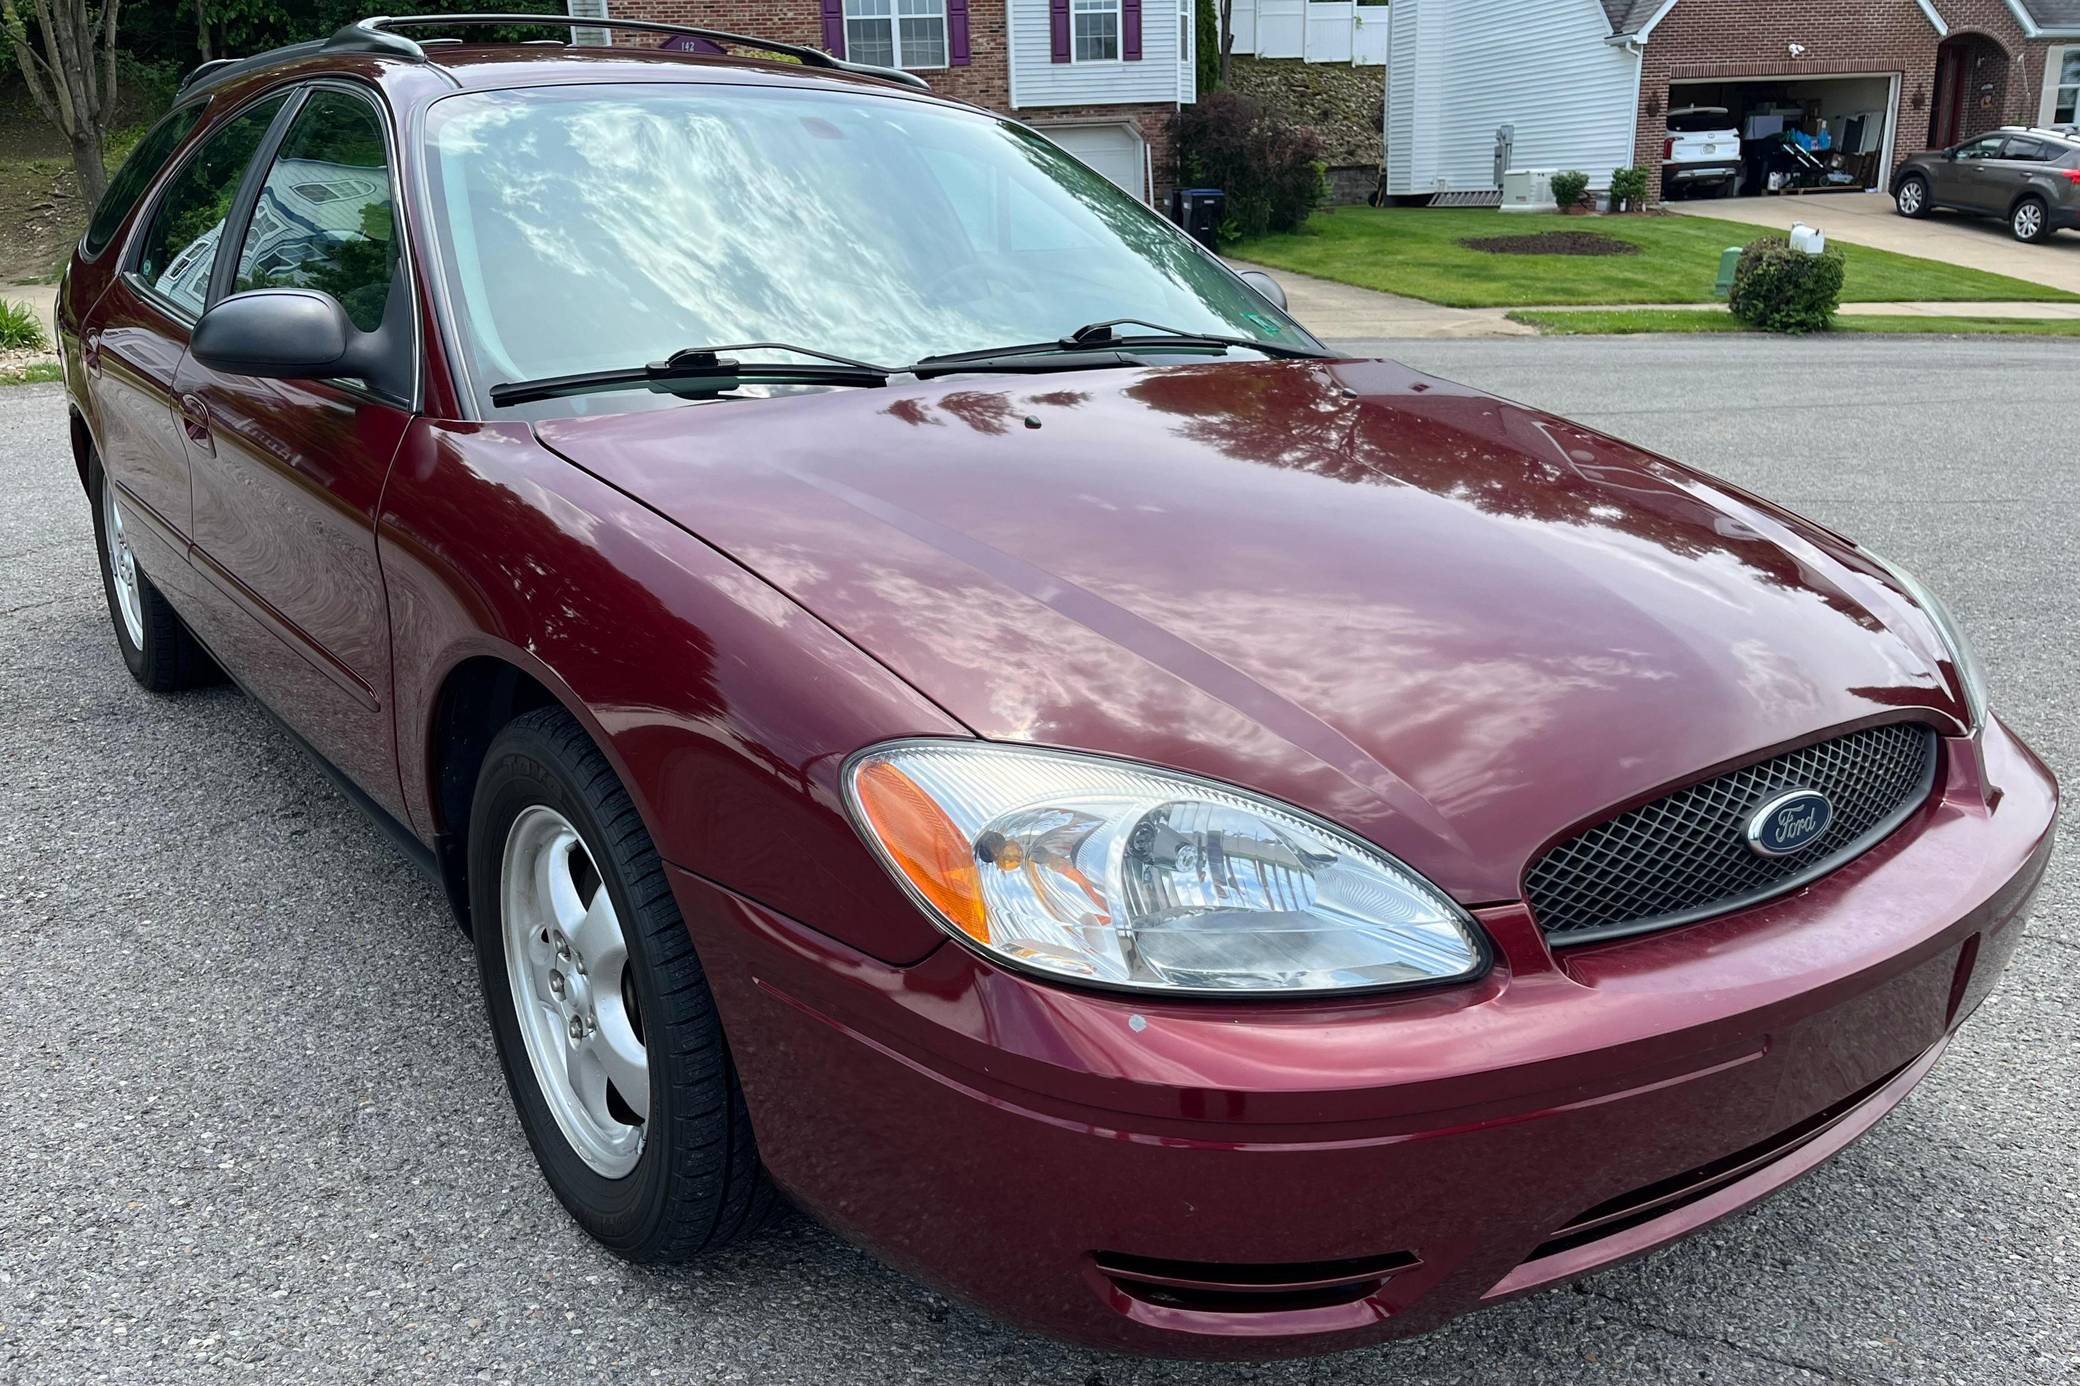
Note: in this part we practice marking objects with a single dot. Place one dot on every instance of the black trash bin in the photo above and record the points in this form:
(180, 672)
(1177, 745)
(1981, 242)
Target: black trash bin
(1199, 211)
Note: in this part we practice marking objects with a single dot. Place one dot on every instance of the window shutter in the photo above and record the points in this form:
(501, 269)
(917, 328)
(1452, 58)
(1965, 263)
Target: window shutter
(834, 27)
(957, 32)
(1130, 30)
(1058, 28)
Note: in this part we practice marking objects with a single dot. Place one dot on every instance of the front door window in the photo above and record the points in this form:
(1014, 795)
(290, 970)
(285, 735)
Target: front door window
(324, 219)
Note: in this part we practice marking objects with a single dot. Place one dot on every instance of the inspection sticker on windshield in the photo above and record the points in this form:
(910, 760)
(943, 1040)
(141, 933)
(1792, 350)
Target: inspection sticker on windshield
(1261, 321)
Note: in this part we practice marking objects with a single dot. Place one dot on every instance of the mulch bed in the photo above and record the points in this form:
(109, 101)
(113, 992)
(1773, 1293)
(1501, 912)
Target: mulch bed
(1552, 243)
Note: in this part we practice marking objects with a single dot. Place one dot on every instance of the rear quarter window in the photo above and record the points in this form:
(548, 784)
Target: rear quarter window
(145, 159)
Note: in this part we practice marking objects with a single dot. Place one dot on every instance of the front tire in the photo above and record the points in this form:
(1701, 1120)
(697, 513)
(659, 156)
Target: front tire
(603, 1019)
(157, 649)
(1912, 196)
(2030, 222)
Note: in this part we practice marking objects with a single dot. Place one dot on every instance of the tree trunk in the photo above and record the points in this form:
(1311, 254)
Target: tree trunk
(202, 29)
(88, 167)
(1227, 36)
(69, 69)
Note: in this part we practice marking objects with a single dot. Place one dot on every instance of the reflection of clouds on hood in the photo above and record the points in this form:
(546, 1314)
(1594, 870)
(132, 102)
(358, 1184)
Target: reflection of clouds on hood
(601, 228)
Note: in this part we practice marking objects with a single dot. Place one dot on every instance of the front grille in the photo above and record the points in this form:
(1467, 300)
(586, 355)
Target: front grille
(1685, 856)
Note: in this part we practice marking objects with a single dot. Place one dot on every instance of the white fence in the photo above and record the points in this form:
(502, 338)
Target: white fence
(1320, 31)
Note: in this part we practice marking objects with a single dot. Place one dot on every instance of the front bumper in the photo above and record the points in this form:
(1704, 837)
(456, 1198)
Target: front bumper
(1266, 1179)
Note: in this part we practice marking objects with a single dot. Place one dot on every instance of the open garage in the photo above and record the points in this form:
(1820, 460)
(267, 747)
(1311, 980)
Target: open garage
(1801, 133)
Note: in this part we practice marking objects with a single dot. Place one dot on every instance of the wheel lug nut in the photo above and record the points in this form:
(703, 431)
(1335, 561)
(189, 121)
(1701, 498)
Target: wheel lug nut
(577, 1028)
(556, 984)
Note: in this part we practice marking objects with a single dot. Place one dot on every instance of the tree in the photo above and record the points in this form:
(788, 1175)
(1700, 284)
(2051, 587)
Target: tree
(69, 66)
(1227, 36)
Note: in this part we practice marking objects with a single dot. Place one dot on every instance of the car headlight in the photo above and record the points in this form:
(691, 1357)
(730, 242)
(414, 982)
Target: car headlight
(1971, 675)
(1119, 874)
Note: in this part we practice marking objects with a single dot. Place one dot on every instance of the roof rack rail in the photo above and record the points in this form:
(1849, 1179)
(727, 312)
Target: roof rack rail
(375, 34)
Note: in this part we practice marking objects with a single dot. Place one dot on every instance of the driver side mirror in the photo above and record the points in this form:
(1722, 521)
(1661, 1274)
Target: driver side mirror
(288, 334)
(1267, 288)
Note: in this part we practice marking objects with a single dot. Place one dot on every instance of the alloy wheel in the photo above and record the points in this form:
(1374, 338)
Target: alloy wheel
(2029, 221)
(573, 994)
(1910, 196)
(122, 565)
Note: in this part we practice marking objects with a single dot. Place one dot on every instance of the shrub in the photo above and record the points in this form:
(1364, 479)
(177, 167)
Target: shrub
(1271, 170)
(1629, 188)
(1207, 43)
(1786, 290)
(1570, 189)
(19, 329)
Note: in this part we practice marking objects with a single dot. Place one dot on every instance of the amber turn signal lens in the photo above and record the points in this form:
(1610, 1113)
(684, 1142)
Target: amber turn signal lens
(924, 844)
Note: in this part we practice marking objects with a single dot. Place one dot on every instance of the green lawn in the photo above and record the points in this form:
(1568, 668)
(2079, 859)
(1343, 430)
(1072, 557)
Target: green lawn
(1590, 322)
(1415, 251)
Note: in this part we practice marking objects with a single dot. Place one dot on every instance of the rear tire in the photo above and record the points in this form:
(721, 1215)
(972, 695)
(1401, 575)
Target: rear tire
(1911, 197)
(603, 1019)
(2030, 221)
(156, 647)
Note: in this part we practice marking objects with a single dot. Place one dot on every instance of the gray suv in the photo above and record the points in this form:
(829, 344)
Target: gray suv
(2029, 176)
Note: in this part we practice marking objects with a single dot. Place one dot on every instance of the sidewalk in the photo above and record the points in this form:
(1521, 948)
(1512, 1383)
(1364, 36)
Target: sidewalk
(1868, 219)
(1343, 312)
(1332, 310)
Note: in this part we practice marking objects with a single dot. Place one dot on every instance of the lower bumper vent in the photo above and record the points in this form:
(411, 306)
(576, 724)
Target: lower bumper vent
(1232, 1288)
(1664, 1196)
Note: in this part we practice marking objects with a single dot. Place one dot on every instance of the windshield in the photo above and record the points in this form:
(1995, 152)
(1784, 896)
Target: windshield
(595, 228)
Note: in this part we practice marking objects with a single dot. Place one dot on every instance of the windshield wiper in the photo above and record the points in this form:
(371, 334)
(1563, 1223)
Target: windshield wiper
(1100, 344)
(706, 366)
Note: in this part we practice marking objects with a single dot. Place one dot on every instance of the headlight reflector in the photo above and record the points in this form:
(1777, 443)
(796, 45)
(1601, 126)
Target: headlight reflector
(1971, 675)
(1124, 875)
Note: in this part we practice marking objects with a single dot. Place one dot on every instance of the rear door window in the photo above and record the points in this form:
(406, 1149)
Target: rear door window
(137, 172)
(2031, 151)
(180, 246)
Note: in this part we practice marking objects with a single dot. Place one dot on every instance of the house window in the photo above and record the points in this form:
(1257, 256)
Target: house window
(2065, 100)
(1186, 18)
(896, 33)
(1094, 30)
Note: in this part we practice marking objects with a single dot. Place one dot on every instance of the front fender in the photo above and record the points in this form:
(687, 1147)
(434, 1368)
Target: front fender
(726, 708)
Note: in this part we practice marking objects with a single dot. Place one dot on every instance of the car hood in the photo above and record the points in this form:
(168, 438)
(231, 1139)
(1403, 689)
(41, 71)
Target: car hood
(1459, 627)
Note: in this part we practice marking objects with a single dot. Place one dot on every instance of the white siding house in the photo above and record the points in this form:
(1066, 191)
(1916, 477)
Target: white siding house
(1158, 75)
(1459, 69)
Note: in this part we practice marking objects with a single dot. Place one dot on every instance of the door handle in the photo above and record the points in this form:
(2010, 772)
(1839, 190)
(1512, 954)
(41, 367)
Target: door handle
(195, 422)
(90, 352)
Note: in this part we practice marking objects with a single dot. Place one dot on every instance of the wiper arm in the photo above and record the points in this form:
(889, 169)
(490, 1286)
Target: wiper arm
(706, 364)
(1097, 344)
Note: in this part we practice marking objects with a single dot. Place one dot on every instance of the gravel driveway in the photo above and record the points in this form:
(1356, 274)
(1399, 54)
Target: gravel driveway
(252, 1129)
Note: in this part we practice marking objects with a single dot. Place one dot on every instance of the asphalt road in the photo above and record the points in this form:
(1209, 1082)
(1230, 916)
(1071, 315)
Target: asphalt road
(251, 1127)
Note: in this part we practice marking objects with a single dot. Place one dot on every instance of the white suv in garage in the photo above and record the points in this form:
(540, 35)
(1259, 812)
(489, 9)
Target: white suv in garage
(1703, 152)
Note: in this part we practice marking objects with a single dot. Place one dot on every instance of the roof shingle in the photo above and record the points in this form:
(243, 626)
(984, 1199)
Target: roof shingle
(2049, 14)
(1627, 16)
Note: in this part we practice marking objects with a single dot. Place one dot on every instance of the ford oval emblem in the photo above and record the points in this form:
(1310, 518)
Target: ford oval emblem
(1789, 823)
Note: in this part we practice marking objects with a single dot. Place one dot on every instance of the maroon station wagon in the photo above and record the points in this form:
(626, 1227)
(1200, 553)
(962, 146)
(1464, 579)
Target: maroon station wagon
(937, 700)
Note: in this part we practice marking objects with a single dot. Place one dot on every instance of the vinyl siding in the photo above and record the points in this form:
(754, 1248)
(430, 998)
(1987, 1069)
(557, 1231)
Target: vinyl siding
(1456, 71)
(1036, 80)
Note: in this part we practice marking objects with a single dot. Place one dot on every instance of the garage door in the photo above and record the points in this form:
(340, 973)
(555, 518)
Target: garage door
(1113, 150)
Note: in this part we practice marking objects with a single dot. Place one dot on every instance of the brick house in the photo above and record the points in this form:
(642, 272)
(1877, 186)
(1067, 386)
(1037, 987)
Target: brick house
(1588, 83)
(1100, 77)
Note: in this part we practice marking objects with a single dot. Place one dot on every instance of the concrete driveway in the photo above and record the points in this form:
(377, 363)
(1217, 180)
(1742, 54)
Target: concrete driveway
(254, 1132)
(1869, 219)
